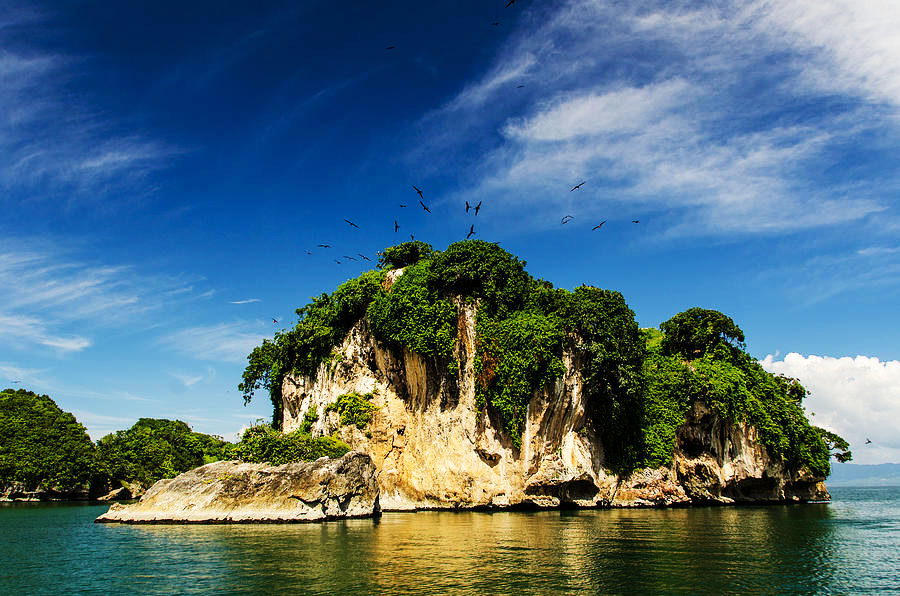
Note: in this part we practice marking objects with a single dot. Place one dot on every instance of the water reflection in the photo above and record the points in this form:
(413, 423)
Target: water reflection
(809, 548)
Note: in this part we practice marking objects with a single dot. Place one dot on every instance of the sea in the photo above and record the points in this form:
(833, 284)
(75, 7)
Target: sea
(848, 546)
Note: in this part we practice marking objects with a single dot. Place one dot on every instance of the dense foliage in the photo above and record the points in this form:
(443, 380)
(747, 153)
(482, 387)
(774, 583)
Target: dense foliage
(353, 408)
(42, 446)
(638, 385)
(156, 448)
(263, 444)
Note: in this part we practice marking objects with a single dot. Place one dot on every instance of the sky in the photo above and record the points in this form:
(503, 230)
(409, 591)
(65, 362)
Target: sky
(165, 167)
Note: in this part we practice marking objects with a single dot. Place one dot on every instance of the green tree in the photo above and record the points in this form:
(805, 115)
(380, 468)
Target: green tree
(42, 446)
(697, 331)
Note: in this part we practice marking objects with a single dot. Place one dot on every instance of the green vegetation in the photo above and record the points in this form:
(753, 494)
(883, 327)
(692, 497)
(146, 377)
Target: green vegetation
(154, 448)
(638, 385)
(263, 444)
(353, 408)
(41, 446)
(310, 418)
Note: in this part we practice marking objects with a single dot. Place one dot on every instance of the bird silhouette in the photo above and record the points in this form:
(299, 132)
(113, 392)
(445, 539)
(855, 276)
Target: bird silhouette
(510, 3)
(274, 320)
(324, 246)
(635, 221)
(868, 440)
(15, 382)
(396, 226)
(336, 261)
(402, 205)
(471, 231)
(495, 23)
(308, 252)
(566, 219)
(478, 207)
(467, 206)
(418, 191)
(390, 47)
(364, 257)
(579, 185)
(599, 225)
(349, 258)
(519, 86)
(411, 237)
(352, 224)
(424, 207)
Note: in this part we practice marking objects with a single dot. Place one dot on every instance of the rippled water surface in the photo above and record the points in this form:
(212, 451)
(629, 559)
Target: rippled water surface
(851, 545)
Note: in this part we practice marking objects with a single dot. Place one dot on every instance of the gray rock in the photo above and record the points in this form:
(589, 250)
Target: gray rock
(235, 492)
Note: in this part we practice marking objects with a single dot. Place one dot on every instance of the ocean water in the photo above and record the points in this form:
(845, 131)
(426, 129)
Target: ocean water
(849, 546)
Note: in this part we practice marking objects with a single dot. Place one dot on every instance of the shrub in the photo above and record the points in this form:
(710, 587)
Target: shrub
(353, 408)
(264, 444)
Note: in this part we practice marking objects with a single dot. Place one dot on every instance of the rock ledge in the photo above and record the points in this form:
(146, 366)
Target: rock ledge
(235, 492)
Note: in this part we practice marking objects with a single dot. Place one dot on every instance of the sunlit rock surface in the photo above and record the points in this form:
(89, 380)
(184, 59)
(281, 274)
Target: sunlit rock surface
(235, 492)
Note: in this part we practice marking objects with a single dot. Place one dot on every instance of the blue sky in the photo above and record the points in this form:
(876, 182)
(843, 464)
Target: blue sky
(165, 169)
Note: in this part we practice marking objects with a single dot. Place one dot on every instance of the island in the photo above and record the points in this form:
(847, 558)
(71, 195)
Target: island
(469, 384)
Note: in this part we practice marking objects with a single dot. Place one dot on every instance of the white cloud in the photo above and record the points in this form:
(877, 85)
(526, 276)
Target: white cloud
(245, 301)
(29, 330)
(684, 111)
(222, 342)
(857, 398)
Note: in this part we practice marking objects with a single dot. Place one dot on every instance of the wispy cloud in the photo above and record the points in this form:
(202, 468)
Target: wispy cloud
(222, 342)
(49, 292)
(51, 142)
(245, 301)
(685, 111)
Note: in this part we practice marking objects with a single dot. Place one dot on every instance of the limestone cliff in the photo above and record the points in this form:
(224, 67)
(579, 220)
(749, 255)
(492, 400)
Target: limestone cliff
(434, 447)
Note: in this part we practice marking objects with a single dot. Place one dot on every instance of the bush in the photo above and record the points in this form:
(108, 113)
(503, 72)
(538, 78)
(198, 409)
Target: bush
(353, 408)
(264, 444)
(405, 254)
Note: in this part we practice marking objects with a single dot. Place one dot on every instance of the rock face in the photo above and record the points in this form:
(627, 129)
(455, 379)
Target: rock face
(235, 492)
(434, 448)
(16, 491)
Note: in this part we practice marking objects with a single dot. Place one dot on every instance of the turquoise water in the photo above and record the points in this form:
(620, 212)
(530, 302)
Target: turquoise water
(849, 546)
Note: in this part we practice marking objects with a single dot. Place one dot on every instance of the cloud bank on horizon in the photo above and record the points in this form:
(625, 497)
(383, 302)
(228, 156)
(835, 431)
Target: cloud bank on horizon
(732, 117)
(858, 398)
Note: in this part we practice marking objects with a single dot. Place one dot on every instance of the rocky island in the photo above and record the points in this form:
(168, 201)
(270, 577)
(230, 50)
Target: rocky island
(470, 384)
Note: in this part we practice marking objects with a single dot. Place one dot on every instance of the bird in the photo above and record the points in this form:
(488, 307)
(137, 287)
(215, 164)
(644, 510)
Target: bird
(352, 224)
(579, 185)
(396, 226)
(336, 261)
(467, 206)
(390, 47)
(15, 382)
(471, 231)
(519, 86)
(324, 246)
(308, 252)
(635, 221)
(599, 225)
(362, 256)
(402, 205)
(868, 440)
(510, 3)
(495, 23)
(567, 219)
(349, 258)
(478, 207)
(274, 320)
(424, 207)
(418, 191)
(411, 237)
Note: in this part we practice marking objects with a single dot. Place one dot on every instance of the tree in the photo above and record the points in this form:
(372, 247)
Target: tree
(697, 331)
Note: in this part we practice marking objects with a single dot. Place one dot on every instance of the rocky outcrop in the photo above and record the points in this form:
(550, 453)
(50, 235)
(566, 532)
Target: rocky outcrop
(17, 491)
(235, 492)
(435, 448)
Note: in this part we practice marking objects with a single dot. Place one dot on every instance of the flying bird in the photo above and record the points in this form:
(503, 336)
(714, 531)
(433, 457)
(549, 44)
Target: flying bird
(324, 246)
(566, 219)
(868, 440)
(396, 226)
(519, 86)
(15, 382)
(418, 191)
(478, 207)
(349, 258)
(510, 3)
(495, 23)
(352, 224)
(411, 237)
(390, 47)
(579, 185)
(336, 261)
(308, 252)
(402, 205)
(635, 221)
(274, 320)
(471, 231)
(424, 207)
(599, 225)
(467, 206)
(362, 256)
